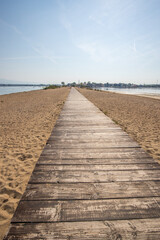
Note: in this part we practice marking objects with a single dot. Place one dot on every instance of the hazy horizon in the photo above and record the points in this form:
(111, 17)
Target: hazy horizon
(51, 41)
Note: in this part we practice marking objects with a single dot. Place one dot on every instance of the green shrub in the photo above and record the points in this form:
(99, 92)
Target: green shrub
(51, 87)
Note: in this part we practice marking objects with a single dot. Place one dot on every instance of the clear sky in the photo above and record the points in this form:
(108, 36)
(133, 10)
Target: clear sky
(50, 41)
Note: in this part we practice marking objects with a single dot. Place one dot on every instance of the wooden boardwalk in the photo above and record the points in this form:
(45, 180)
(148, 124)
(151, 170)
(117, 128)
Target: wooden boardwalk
(92, 181)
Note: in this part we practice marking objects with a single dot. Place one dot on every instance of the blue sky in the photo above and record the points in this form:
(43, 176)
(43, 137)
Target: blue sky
(50, 41)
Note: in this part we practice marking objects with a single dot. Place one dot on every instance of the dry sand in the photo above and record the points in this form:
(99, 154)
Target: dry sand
(138, 116)
(26, 122)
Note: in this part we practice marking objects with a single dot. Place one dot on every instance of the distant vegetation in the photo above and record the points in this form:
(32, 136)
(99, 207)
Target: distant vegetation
(93, 85)
(52, 87)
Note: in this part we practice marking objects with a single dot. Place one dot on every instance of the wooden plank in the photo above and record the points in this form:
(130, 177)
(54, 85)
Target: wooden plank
(93, 151)
(88, 121)
(93, 176)
(97, 167)
(49, 159)
(82, 117)
(92, 135)
(81, 124)
(89, 134)
(92, 121)
(91, 155)
(110, 150)
(96, 145)
(109, 125)
(82, 113)
(144, 229)
(92, 190)
(89, 140)
(87, 210)
(111, 131)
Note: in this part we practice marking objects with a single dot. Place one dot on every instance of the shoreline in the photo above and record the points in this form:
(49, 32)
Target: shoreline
(155, 96)
(27, 119)
(13, 92)
(151, 95)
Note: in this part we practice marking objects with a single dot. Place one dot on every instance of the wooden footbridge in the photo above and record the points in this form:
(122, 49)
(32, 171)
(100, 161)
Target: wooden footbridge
(92, 181)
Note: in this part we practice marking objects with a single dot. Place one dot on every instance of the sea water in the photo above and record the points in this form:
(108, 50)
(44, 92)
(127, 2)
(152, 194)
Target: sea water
(137, 91)
(15, 89)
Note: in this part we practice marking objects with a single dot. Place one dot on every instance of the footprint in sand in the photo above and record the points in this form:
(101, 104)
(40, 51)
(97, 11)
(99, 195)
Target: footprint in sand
(23, 157)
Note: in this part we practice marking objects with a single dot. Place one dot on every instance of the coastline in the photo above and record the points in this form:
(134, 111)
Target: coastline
(139, 116)
(27, 119)
(155, 96)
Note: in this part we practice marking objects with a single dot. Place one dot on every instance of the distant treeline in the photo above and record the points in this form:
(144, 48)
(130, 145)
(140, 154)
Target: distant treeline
(112, 85)
(85, 85)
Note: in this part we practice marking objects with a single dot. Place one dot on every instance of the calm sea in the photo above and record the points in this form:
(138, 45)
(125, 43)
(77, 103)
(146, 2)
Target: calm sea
(149, 91)
(15, 89)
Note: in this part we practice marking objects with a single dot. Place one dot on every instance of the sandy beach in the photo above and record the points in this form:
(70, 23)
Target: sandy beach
(26, 122)
(139, 116)
(28, 118)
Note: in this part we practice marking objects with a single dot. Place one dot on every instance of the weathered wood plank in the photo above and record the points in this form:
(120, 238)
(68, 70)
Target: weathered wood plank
(88, 135)
(88, 138)
(78, 125)
(111, 131)
(94, 146)
(49, 159)
(92, 190)
(104, 151)
(82, 129)
(103, 122)
(102, 132)
(87, 210)
(91, 140)
(91, 167)
(144, 229)
(88, 121)
(93, 176)
(83, 155)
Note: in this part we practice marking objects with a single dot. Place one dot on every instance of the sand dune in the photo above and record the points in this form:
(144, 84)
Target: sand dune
(26, 121)
(138, 116)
